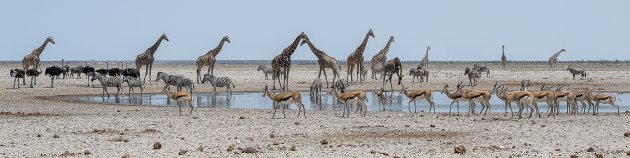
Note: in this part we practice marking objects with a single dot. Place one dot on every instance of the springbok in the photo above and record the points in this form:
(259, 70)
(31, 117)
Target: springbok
(283, 100)
(357, 97)
(602, 98)
(415, 95)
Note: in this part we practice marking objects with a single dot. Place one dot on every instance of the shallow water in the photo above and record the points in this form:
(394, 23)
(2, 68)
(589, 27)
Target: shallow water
(255, 100)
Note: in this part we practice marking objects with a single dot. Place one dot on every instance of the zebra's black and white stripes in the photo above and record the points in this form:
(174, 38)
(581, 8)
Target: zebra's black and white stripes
(218, 82)
(133, 82)
(112, 81)
(265, 70)
(175, 80)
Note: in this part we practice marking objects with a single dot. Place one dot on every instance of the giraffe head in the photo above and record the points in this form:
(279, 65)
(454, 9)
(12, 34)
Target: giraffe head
(50, 39)
(164, 37)
(562, 50)
(370, 33)
(391, 38)
(303, 36)
(226, 39)
(305, 40)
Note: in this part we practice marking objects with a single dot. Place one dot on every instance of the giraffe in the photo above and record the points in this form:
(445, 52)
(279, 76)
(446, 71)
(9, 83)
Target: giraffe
(282, 62)
(146, 58)
(356, 58)
(425, 60)
(503, 57)
(210, 58)
(32, 59)
(324, 61)
(553, 59)
(380, 58)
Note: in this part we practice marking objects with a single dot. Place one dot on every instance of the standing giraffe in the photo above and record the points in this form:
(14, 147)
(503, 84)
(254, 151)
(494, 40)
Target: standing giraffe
(356, 58)
(324, 61)
(282, 62)
(210, 58)
(503, 57)
(147, 58)
(553, 59)
(32, 59)
(380, 58)
(425, 60)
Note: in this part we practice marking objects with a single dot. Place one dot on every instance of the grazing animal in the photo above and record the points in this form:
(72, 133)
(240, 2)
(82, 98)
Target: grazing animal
(481, 69)
(283, 100)
(184, 82)
(209, 58)
(169, 80)
(602, 98)
(112, 81)
(356, 58)
(477, 95)
(88, 71)
(567, 96)
(356, 97)
(554, 58)
(53, 71)
(33, 73)
(392, 67)
(380, 94)
(425, 60)
(324, 61)
(341, 85)
(131, 72)
(146, 59)
(76, 70)
(415, 95)
(421, 74)
(515, 96)
(545, 95)
(180, 97)
(218, 82)
(316, 87)
(265, 70)
(17, 74)
(133, 82)
(32, 59)
(575, 71)
(473, 76)
(281, 64)
(380, 58)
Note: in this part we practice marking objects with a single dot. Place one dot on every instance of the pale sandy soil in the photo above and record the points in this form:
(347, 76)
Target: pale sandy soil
(29, 122)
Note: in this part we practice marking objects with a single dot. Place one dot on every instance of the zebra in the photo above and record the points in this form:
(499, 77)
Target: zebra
(316, 87)
(575, 71)
(17, 74)
(341, 85)
(181, 81)
(133, 82)
(76, 70)
(481, 69)
(218, 82)
(473, 76)
(392, 67)
(364, 73)
(173, 80)
(112, 81)
(420, 74)
(265, 70)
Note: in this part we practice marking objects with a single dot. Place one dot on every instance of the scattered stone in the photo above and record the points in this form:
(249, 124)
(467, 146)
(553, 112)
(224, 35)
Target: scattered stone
(323, 141)
(276, 143)
(627, 134)
(557, 149)
(574, 156)
(87, 152)
(67, 154)
(248, 150)
(296, 123)
(117, 110)
(543, 125)
(431, 125)
(396, 156)
(372, 152)
(195, 117)
(272, 135)
(590, 149)
(293, 148)
(460, 149)
(599, 156)
(242, 117)
(231, 147)
(149, 130)
(39, 135)
(125, 156)
(627, 153)
(407, 125)
(182, 152)
(157, 145)
(55, 136)
(200, 148)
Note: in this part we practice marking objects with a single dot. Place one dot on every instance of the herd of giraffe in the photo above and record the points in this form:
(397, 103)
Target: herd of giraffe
(281, 66)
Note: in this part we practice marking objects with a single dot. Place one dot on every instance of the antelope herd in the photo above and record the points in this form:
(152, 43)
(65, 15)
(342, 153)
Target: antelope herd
(279, 69)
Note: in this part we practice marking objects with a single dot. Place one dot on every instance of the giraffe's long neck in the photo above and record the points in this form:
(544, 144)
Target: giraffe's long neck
(314, 49)
(214, 52)
(291, 48)
(426, 54)
(503, 51)
(386, 49)
(557, 54)
(40, 49)
(151, 50)
(361, 47)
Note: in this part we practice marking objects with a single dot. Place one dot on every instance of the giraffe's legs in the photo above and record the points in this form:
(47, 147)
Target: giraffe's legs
(150, 68)
(198, 73)
(325, 76)
(146, 72)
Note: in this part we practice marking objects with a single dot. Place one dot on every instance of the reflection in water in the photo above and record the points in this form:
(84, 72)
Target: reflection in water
(324, 101)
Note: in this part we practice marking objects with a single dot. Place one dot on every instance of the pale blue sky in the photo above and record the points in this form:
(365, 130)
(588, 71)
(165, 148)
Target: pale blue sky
(455, 29)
